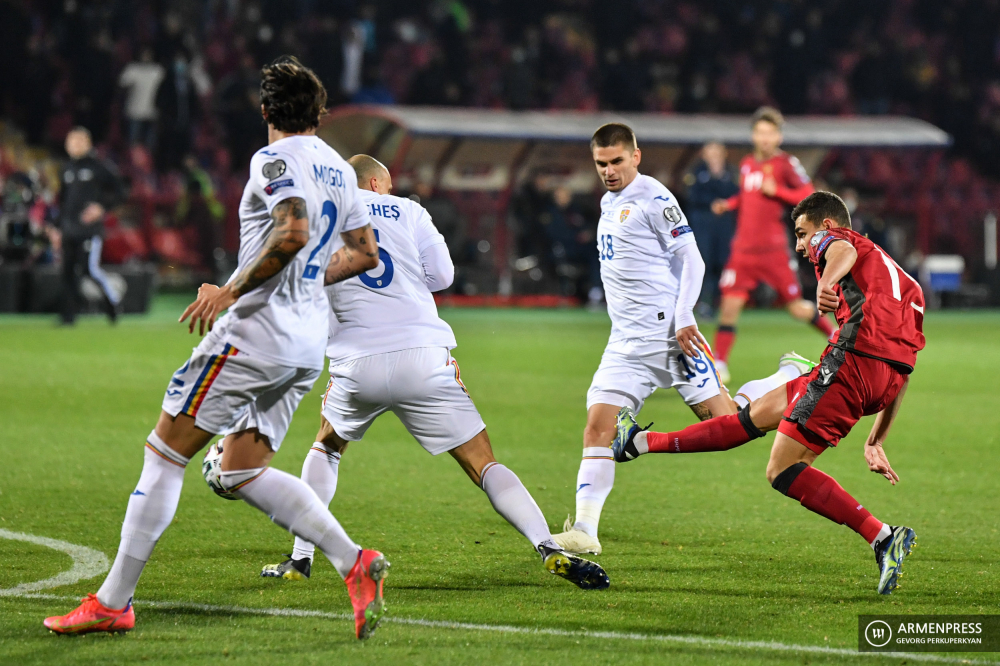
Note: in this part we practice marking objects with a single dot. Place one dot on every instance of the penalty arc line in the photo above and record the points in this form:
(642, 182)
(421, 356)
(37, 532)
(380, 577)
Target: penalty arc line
(88, 563)
(696, 641)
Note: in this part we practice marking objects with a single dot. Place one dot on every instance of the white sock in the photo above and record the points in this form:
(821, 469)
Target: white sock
(593, 485)
(641, 443)
(512, 501)
(882, 534)
(319, 471)
(293, 505)
(151, 507)
(758, 388)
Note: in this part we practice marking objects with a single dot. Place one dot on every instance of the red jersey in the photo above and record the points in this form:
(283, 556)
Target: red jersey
(881, 310)
(760, 223)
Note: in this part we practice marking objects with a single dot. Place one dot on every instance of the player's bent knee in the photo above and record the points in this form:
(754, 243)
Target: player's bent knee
(782, 480)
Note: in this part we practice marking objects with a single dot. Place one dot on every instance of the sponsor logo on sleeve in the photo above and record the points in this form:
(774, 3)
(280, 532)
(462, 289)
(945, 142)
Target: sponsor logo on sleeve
(677, 232)
(817, 237)
(672, 214)
(274, 169)
(277, 185)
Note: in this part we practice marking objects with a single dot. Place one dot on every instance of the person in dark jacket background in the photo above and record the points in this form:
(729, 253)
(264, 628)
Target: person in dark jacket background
(711, 178)
(89, 188)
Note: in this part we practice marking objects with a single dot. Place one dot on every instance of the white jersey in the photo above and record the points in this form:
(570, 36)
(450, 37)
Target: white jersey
(284, 320)
(390, 307)
(641, 228)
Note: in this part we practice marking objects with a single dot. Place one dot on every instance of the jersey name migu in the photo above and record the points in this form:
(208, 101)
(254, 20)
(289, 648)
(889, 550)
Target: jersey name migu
(284, 319)
(641, 228)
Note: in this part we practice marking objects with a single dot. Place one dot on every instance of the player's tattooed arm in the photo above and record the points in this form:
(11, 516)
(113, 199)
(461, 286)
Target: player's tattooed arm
(359, 254)
(289, 235)
(874, 455)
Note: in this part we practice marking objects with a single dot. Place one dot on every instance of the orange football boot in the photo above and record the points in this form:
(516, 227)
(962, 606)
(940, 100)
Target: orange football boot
(90, 616)
(364, 584)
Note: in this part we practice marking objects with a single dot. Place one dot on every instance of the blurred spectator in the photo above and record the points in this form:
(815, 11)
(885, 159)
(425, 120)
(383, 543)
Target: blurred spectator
(90, 188)
(177, 107)
(711, 178)
(530, 202)
(570, 230)
(141, 79)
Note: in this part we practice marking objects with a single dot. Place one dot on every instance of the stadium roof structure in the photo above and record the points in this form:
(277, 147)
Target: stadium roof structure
(820, 131)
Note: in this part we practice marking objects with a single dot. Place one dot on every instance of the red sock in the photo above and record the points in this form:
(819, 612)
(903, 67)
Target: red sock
(823, 324)
(822, 494)
(725, 336)
(719, 434)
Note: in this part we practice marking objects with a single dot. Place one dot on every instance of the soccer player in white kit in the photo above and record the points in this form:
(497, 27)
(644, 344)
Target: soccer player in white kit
(652, 274)
(249, 373)
(390, 351)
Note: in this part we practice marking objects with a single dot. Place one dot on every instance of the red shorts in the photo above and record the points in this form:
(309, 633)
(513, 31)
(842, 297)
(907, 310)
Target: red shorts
(743, 272)
(824, 405)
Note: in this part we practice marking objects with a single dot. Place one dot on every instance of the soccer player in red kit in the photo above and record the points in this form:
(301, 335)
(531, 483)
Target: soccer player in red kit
(865, 370)
(770, 180)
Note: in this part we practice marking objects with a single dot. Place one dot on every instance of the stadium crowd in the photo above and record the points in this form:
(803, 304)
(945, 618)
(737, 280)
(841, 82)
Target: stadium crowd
(169, 89)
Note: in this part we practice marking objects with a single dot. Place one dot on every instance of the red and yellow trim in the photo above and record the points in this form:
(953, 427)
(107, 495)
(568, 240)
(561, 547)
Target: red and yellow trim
(153, 449)
(208, 375)
(240, 485)
(458, 375)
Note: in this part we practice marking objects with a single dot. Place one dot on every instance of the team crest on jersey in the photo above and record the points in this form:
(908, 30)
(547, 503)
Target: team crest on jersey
(817, 237)
(274, 169)
(623, 215)
(672, 214)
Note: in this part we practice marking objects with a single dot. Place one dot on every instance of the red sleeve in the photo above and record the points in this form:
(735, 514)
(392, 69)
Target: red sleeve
(794, 185)
(821, 241)
(733, 202)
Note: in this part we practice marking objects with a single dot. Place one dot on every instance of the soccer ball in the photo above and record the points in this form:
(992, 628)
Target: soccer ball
(211, 468)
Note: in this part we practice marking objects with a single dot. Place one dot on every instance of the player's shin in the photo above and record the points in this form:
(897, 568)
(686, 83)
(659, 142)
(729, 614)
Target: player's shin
(151, 507)
(319, 471)
(594, 482)
(821, 494)
(718, 434)
(294, 506)
(513, 501)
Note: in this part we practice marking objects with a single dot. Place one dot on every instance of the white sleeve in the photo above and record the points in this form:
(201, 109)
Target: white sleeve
(275, 176)
(357, 214)
(669, 222)
(439, 271)
(692, 274)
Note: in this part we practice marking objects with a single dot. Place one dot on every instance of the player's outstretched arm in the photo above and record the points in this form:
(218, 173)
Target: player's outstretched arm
(840, 258)
(289, 235)
(359, 254)
(874, 455)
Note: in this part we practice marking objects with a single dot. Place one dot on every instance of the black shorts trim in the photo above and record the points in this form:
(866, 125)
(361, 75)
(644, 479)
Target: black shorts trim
(817, 388)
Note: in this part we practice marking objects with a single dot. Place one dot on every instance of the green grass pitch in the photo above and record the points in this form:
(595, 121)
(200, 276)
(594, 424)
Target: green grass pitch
(695, 545)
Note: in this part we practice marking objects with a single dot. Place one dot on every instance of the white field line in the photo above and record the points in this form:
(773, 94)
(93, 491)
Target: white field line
(88, 563)
(697, 641)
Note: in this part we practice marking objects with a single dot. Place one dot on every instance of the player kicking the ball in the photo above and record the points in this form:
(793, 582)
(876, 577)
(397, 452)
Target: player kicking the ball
(865, 370)
(652, 274)
(249, 373)
(389, 351)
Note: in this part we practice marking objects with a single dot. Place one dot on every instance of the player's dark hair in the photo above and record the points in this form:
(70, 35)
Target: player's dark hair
(613, 134)
(292, 95)
(820, 206)
(768, 114)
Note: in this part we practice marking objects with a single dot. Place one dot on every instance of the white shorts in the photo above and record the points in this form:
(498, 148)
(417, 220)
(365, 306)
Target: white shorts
(228, 391)
(631, 370)
(421, 386)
